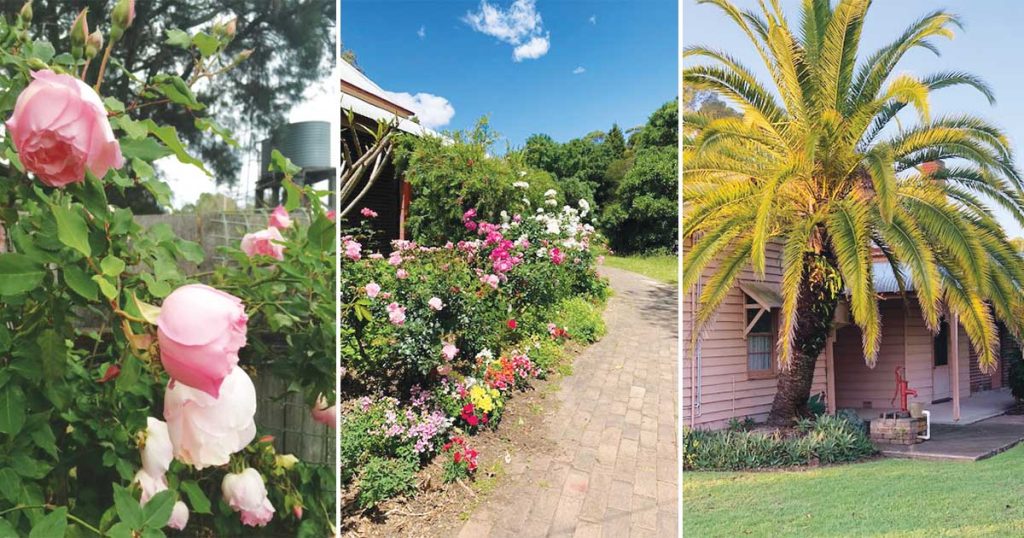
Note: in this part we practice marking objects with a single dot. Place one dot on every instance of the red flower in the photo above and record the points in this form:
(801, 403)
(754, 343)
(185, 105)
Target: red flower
(447, 447)
(512, 324)
(469, 416)
(458, 457)
(112, 372)
(484, 419)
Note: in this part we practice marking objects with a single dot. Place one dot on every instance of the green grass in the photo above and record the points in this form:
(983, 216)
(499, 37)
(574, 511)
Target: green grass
(662, 267)
(887, 497)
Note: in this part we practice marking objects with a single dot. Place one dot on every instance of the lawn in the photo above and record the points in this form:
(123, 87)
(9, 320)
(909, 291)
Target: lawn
(663, 267)
(887, 497)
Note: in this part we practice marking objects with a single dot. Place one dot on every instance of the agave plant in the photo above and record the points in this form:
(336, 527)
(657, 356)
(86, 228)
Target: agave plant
(823, 162)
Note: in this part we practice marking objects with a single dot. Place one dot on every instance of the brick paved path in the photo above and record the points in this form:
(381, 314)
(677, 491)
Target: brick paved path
(613, 473)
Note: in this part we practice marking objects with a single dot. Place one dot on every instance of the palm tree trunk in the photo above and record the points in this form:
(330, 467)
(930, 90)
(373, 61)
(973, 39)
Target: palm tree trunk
(816, 307)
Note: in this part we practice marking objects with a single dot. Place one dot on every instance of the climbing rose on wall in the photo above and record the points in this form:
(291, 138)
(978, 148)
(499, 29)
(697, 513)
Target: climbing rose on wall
(264, 243)
(246, 493)
(200, 330)
(205, 431)
(60, 130)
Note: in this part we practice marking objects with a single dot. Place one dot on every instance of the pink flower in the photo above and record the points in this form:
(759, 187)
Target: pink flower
(402, 274)
(279, 218)
(600, 260)
(200, 330)
(435, 304)
(469, 214)
(264, 243)
(324, 414)
(396, 313)
(179, 516)
(205, 431)
(352, 249)
(331, 215)
(60, 130)
(368, 213)
(372, 289)
(3, 238)
(245, 492)
(470, 225)
(395, 259)
(376, 256)
(449, 351)
(556, 256)
(157, 451)
(149, 484)
(490, 280)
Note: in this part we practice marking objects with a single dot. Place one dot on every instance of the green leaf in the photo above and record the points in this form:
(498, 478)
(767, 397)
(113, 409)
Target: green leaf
(280, 163)
(42, 50)
(109, 290)
(53, 354)
(156, 288)
(198, 500)
(158, 509)
(55, 524)
(120, 530)
(43, 437)
(175, 89)
(142, 168)
(135, 130)
(19, 274)
(206, 43)
(80, 283)
(113, 104)
(7, 530)
(72, 229)
(191, 251)
(112, 266)
(207, 124)
(169, 136)
(146, 149)
(178, 38)
(293, 196)
(148, 312)
(10, 485)
(127, 507)
(12, 409)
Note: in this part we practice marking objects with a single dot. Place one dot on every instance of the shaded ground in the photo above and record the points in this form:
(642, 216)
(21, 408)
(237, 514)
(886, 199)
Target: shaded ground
(969, 442)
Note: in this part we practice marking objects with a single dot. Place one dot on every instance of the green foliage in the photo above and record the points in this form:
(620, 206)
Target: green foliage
(449, 177)
(1016, 378)
(829, 439)
(581, 318)
(383, 478)
(645, 216)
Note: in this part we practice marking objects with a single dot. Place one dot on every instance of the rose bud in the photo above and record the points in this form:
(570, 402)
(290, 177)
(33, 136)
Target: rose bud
(60, 130)
(246, 493)
(25, 15)
(264, 243)
(93, 44)
(123, 16)
(279, 218)
(112, 371)
(179, 516)
(79, 33)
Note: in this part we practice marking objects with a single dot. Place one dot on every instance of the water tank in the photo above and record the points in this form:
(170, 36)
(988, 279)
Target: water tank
(306, 143)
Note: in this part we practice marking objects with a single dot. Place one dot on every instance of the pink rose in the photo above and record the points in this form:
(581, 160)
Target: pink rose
(205, 431)
(376, 256)
(353, 249)
(449, 351)
(396, 313)
(368, 213)
(402, 274)
(200, 330)
(395, 259)
(149, 484)
(60, 130)
(279, 218)
(435, 303)
(490, 280)
(179, 516)
(246, 493)
(264, 243)
(372, 289)
(323, 414)
(331, 215)
(157, 452)
(556, 256)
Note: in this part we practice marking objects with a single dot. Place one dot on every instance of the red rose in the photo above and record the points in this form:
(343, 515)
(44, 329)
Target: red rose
(512, 324)
(112, 372)
(458, 457)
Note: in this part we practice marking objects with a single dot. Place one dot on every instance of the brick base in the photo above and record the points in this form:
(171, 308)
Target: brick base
(897, 431)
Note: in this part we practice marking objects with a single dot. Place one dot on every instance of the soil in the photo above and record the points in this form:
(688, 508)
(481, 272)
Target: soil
(439, 509)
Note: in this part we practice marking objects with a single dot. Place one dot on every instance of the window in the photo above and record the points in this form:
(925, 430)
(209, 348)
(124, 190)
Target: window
(941, 345)
(760, 323)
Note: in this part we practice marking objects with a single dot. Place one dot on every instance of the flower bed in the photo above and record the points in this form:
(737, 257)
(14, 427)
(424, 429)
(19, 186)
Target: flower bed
(435, 340)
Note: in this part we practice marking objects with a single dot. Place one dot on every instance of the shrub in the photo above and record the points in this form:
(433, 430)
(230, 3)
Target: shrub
(383, 478)
(581, 319)
(831, 439)
(1016, 378)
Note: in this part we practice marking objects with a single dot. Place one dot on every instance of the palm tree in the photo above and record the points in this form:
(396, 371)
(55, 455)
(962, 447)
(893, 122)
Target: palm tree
(822, 165)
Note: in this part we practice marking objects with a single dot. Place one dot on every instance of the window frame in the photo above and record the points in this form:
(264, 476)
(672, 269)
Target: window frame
(750, 303)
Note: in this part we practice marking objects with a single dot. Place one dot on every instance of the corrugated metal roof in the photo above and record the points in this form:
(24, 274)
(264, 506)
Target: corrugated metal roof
(885, 280)
(356, 78)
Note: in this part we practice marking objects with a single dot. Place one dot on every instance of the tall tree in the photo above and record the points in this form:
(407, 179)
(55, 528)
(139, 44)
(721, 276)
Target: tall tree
(815, 165)
(292, 43)
(615, 142)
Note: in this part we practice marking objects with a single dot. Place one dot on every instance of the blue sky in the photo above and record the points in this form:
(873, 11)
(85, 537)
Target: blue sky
(991, 45)
(627, 51)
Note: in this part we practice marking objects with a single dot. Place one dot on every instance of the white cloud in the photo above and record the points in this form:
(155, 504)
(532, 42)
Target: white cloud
(520, 26)
(579, 70)
(593, 19)
(432, 110)
(531, 50)
(422, 32)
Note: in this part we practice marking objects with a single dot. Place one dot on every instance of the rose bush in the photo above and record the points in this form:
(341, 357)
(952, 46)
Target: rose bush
(89, 362)
(436, 339)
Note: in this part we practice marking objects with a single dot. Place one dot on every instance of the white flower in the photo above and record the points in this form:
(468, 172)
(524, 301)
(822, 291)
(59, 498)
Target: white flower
(205, 431)
(551, 202)
(585, 207)
(157, 451)
(550, 193)
(542, 252)
(179, 516)
(484, 354)
(521, 185)
(245, 492)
